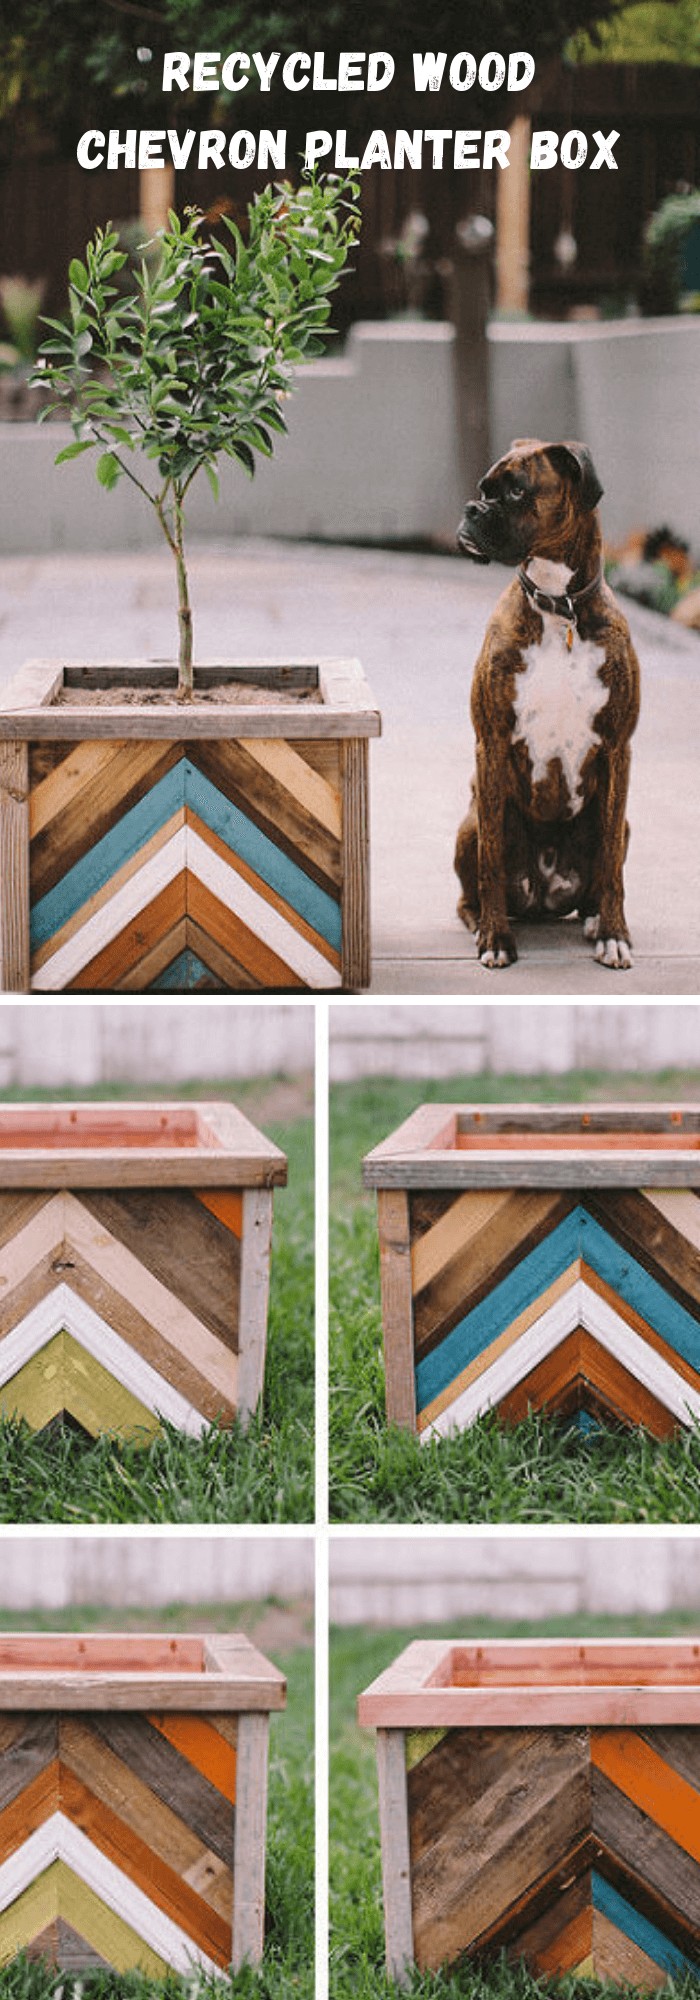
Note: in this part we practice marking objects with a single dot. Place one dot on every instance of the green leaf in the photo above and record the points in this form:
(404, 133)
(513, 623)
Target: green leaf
(245, 457)
(78, 275)
(108, 470)
(213, 481)
(74, 450)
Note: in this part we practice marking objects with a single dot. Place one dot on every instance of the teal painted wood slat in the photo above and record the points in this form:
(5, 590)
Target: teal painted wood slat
(639, 1929)
(181, 786)
(579, 1235)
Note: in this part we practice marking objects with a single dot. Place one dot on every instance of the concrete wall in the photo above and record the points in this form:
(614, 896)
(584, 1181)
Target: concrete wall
(69, 1045)
(371, 455)
(630, 389)
(423, 1580)
(372, 452)
(50, 1573)
(473, 1038)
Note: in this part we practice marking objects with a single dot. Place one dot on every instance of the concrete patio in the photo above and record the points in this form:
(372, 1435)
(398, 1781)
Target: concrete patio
(416, 622)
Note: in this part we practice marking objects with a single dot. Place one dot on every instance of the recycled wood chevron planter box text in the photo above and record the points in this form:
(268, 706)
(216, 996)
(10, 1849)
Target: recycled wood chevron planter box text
(540, 1257)
(133, 1787)
(134, 1264)
(542, 1799)
(149, 844)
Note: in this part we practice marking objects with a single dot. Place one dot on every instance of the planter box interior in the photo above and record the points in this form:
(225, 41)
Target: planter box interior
(134, 1782)
(540, 1257)
(542, 1800)
(153, 845)
(134, 1264)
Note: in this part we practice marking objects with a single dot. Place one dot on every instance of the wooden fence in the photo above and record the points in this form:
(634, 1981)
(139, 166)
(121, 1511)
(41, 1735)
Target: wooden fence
(49, 205)
(472, 1038)
(424, 1580)
(44, 1572)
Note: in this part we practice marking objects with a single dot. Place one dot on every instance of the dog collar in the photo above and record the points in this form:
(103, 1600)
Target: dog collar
(565, 606)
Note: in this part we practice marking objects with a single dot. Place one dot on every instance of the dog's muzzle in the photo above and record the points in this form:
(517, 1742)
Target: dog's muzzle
(470, 529)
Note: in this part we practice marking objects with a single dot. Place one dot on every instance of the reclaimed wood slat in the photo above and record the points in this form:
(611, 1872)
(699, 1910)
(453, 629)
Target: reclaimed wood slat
(396, 1860)
(182, 1244)
(355, 865)
(395, 1264)
(249, 1850)
(254, 1285)
(14, 866)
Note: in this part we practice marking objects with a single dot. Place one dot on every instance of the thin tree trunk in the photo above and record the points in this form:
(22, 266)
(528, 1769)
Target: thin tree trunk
(184, 616)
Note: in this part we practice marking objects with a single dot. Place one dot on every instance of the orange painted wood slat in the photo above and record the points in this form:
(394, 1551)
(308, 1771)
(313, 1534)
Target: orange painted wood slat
(203, 1746)
(645, 1778)
(226, 1206)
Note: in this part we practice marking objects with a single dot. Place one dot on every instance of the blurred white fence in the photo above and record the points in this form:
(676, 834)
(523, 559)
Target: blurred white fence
(50, 1573)
(75, 1045)
(470, 1038)
(429, 1580)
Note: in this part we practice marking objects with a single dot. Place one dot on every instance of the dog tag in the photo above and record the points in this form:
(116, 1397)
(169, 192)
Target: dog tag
(569, 637)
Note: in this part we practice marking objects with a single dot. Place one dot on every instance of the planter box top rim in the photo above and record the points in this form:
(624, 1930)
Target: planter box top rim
(28, 708)
(542, 1145)
(102, 1670)
(502, 1683)
(186, 1144)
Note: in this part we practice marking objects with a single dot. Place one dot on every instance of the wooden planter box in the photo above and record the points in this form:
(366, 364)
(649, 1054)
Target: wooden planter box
(133, 1786)
(542, 1799)
(540, 1257)
(175, 847)
(134, 1264)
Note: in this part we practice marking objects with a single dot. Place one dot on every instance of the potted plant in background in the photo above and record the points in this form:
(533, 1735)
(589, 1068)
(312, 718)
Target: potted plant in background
(204, 826)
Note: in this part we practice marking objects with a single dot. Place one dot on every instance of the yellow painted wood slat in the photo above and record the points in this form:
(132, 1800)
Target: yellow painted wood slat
(63, 1376)
(58, 1892)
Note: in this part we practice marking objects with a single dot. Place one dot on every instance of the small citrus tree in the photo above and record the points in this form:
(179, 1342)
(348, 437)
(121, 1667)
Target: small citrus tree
(196, 361)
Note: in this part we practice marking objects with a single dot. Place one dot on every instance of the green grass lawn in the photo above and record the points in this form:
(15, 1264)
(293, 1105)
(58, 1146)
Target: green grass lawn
(357, 1934)
(266, 1475)
(287, 1970)
(538, 1471)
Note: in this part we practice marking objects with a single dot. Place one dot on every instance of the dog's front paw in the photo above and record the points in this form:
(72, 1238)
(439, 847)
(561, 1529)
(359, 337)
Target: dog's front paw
(468, 915)
(614, 952)
(496, 947)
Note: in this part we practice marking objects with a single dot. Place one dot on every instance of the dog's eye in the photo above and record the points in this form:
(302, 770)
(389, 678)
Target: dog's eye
(517, 493)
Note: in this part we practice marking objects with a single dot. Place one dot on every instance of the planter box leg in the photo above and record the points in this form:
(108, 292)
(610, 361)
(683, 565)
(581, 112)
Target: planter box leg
(397, 1306)
(396, 1860)
(256, 1250)
(14, 866)
(249, 1841)
(356, 969)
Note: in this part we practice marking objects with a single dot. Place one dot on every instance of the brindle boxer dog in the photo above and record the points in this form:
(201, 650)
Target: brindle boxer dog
(555, 700)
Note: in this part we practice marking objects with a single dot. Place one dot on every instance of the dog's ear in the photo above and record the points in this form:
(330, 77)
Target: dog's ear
(575, 459)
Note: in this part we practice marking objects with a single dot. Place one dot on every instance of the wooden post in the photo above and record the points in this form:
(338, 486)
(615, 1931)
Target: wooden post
(471, 300)
(513, 222)
(249, 1840)
(14, 865)
(396, 1860)
(397, 1306)
(356, 970)
(156, 196)
(256, 1248)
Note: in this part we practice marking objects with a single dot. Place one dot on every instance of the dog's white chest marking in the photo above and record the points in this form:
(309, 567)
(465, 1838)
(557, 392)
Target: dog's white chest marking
(558, 695)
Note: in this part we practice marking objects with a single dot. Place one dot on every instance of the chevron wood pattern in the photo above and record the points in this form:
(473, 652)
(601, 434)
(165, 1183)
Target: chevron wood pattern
(578, 1850)
(569, 1302)
(118, 1309)
(133, 1288)
(163, 866)
(551, 1267)
(545, 1826)
(119, 1836)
